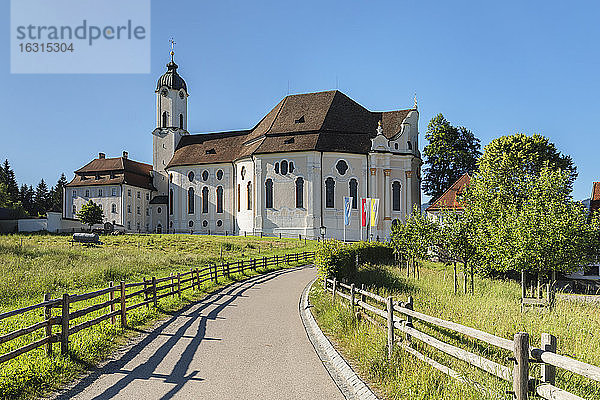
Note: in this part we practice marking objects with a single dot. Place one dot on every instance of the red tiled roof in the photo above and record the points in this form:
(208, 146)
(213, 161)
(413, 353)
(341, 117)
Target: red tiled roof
(122, 170)
(322, 121)
(450, 199)
(595, 199)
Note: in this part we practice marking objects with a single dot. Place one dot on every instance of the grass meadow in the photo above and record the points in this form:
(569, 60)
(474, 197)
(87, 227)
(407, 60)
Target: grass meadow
(32, 265)
(494, 308)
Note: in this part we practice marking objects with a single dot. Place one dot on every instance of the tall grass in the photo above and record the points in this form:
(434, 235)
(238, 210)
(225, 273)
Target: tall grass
(31, 265)
(495, 308)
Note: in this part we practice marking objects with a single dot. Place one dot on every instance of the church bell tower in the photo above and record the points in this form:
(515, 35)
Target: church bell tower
(171, 121)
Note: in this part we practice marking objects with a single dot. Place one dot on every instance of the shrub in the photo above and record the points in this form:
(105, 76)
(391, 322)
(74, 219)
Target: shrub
(337, 259)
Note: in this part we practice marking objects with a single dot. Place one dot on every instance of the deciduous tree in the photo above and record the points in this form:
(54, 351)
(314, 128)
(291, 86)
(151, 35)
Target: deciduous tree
(91, 214)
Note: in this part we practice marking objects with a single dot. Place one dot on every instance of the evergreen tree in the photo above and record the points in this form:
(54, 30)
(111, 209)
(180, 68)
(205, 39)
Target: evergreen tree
(8, 178)
(451, 152)
(57, 194)
(42, 200)
(26, 197)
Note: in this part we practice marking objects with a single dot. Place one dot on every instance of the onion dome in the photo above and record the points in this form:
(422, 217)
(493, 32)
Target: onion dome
(171, 79)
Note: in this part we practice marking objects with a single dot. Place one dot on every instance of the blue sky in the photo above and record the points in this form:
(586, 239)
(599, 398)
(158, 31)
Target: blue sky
(495, 67)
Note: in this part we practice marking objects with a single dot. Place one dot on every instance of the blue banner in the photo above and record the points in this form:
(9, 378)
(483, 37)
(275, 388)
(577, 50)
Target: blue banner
(347, 207)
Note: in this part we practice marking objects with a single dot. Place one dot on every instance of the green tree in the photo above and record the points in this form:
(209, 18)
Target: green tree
(413, 239)
(56, 194)
(41, 199)
(26, 196)
(7, 176)
(6, 201)
(91, 214)
(451, 152)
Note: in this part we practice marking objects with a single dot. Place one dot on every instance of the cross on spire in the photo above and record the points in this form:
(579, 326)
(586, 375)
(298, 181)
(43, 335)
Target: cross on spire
(173, 43)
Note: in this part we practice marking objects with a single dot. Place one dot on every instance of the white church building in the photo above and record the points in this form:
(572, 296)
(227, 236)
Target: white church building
(288, 174)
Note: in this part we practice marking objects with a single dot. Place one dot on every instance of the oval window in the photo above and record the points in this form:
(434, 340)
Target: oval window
(341, 167)
(191, 223)
(219, 223)
(291, 167)
(284, 167)
(205, 176)
(220, 174)
(159, 210)
(276, 167)
(191, 176)
(205, 223)
(243, 172)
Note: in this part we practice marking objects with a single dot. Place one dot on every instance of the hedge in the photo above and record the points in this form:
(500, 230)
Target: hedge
(338, 259)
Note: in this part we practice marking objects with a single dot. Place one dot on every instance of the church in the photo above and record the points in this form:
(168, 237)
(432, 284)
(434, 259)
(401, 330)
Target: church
(287, 175)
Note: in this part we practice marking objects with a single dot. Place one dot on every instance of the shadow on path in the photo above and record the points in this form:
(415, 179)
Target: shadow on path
(221, 299)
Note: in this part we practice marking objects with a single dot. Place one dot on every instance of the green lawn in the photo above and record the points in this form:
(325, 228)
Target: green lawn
(494, 308)
(32, 265)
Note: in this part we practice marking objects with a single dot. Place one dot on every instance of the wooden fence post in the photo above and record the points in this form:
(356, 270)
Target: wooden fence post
(523, 284)
(521, 368)
(154, 290)
(465, 276)
(64, 336)
(409, 320)
(197, 279)
(172, 285)
(179, 284)
(111, 296)
(352, 304)
(472, 280)
(123, 306)
(325, 283)
(390, 326)
(334, 289)
(548, 343)
(254, 264)
(216, 274)
(192, 278)
(455, 279)
(48, 317)
(363, 298)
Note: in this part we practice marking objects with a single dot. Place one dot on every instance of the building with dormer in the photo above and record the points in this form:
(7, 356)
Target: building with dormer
(288, 174)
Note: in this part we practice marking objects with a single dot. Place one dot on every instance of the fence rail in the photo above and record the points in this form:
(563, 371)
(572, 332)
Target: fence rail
(148, 291)
(521, 354)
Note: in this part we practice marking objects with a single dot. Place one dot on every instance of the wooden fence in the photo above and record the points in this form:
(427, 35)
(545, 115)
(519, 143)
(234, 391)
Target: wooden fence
(113, 299)
(373, 306)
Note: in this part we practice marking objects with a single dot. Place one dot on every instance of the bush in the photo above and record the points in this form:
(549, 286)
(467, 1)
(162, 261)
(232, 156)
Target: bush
(336, 259)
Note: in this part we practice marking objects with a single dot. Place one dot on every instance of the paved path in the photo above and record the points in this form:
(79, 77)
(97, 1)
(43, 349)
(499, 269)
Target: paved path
(245, 341)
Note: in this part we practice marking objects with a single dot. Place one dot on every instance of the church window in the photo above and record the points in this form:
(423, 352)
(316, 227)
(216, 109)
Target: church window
(204, 176)
(239, 195)
(164, 119)
(284, 167)
(129, 208)
(100, 193)
(87, 192)
(138, 211)
(243, 173)
(74, 210)
(191, 176)
(396, 196)
(249, 194)
(147, 196)
(191, 223)
(291, 167)
(114, 191)
(396, 146)
(171, 201)
(181, 121)
(147, 212)
(269, 193)
(113, 208)
(205, 199)
(329, 193)
(341, 167)
(205, 223)
(276, 167)
(219, 223)
(139, 195)
(219, 199)
(299, 193)
(220, 174)
(74, 193)
(128, 192)
(159, 210)
(409, 145)
(190, 201)
(129, 225)
(353, 186)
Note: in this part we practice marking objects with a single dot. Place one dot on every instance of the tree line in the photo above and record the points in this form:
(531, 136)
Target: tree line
(27, 201)
(517, 213)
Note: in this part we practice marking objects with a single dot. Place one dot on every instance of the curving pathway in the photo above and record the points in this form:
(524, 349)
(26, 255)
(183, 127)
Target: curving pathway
(245, 341)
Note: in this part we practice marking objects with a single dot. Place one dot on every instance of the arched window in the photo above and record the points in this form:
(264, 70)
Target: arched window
(299, 193)
(276, 167)
(219, 199)
(396, 196)
(353, 186)
(190, 200)
(284, 167)
(171, 201)
(269, 193)
(409, 145)
(191, 176)
(205, 199)
(329, 193)
(291, 167)
(113, 208)
(239, 197)
(249, 194)
(181, 121)
(165, 116)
